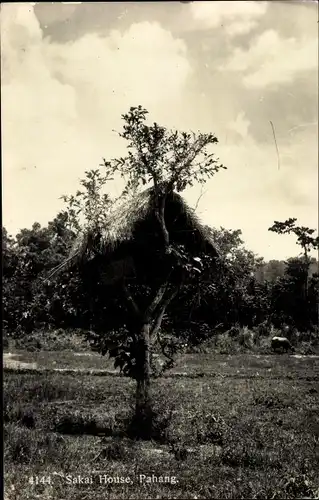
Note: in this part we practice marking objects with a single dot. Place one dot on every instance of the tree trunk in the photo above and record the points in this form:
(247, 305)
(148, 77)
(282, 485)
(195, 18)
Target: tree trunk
(160, 214)
(147, 324)
(143, 398)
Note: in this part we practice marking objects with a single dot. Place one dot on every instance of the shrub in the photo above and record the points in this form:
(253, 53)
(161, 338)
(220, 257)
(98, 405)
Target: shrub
(209, 428)
(246, 338)
(89, 422)
(14, 411)
(225, 344)
(31, 446)
(117, 451)
(52, 340)
(237, 453)
(264, 329)
(234, 332)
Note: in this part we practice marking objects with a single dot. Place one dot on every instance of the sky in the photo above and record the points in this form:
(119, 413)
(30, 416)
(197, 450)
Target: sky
(69, 70)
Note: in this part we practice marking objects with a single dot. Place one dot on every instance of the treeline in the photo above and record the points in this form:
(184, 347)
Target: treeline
(245, 290)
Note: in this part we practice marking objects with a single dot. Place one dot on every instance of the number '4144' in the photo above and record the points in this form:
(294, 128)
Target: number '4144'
(40, 480)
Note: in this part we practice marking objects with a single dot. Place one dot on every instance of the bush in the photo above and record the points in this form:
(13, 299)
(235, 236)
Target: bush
(89, 422)
(117, 451)
(246, 338)
(225, 344)
(239, 453)
(52, 340)
(264, 329)
(16, 412)
(234, 332)
(31, 446)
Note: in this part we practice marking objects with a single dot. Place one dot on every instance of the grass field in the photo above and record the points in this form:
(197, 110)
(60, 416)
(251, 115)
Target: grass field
(226, 427)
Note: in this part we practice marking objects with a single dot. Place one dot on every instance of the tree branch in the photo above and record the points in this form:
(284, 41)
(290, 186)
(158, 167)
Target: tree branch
(160, 214)
(199, 198)
(160, 316)
(134, 307)
(198, 145)
(167, 355)
(156, 301)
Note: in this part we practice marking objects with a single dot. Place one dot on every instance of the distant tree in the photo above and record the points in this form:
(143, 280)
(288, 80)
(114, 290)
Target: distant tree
(305, 240)
(27, 257)
(9, 264)
(232, 295)
(271, 270)
(227, 293)
(299, 269)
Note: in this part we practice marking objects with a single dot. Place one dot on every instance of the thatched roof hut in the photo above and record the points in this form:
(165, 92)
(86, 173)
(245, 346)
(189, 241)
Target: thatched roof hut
(129, 238)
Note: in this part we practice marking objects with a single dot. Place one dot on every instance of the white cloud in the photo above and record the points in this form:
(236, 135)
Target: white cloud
(145, 64)
(237, 17)
(240, 27)
(252, 193)
(60, 103)
(271, 59)
(240, 125)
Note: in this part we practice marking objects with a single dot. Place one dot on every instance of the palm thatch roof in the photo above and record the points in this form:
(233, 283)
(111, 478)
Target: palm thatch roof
(131, 233)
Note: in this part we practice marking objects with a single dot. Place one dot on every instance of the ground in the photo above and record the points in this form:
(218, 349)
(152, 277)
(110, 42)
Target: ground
(241, 426)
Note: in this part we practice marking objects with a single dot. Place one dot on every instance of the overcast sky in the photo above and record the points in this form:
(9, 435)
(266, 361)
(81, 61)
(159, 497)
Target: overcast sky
(70, 70)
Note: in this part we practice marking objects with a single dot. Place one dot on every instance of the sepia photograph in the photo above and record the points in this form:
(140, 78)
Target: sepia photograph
(160, 279)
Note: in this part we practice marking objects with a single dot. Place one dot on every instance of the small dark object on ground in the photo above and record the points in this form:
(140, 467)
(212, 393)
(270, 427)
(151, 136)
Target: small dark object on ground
(281, 344)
